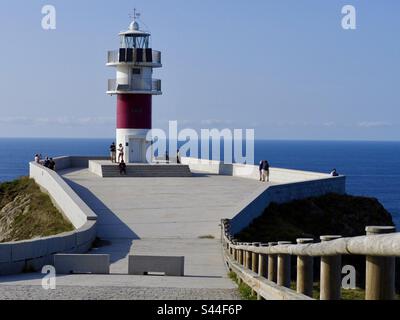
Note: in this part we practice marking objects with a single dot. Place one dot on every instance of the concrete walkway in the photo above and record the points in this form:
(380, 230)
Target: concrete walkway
(152, 216)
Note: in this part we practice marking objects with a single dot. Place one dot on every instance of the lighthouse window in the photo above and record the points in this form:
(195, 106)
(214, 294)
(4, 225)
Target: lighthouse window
(135, 71)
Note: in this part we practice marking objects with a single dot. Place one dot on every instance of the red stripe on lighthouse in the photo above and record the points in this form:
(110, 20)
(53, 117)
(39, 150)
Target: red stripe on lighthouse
(134, 111)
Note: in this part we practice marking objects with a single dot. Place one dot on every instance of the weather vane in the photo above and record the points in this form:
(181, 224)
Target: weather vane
(136, 15)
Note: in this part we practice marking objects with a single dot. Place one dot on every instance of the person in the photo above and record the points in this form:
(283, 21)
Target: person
(334, 173)
(122, 167)
(37, 158)
(260, 166)
(46, 162)
(178, 157)
(113, 153)
(52, 164)
(265, 170)
(120, 153)
(167, 157)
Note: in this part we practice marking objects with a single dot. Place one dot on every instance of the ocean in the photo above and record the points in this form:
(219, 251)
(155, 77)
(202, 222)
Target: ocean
(372, 168)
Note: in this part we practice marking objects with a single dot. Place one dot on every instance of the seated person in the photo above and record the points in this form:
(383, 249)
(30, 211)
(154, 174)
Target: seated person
(122, 167)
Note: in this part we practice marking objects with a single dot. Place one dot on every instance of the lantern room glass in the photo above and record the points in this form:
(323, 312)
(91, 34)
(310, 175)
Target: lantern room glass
(135, 41)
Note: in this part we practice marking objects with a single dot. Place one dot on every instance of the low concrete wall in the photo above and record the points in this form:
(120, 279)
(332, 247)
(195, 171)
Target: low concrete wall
(70, 204)
(31, 255)
(290, 185)
(282, 193)
(277, 175)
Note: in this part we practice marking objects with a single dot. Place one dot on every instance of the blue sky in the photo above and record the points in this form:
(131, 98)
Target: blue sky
(285, 68)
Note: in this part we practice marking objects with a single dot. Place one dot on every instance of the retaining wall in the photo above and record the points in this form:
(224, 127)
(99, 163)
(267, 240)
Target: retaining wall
(32, 255)
(289, 185)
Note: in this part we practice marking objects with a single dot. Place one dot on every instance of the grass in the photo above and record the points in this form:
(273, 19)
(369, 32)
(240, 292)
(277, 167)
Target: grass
(347, 294)
(208, 236)
(38, 218)
(244, 290)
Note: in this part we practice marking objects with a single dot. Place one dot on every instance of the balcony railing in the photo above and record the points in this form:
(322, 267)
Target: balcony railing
(137, 56)
(144, 85)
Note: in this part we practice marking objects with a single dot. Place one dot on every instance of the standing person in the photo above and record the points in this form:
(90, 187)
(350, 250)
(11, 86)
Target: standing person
(260, 166)
(265, 170)
(52, 164)
(120, 153)
(167, 157)
(46, 162)
(37, 158)
(113, 153)
(122, 168)
(178, 157)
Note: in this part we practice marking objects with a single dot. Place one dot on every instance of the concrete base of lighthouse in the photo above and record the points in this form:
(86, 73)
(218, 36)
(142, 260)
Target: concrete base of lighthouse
(135, 144)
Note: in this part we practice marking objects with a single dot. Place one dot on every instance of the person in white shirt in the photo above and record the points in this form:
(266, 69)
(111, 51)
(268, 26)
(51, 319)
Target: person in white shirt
(120, 153)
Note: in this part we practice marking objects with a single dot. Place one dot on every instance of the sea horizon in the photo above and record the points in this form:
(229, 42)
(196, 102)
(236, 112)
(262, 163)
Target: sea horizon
(372, 168)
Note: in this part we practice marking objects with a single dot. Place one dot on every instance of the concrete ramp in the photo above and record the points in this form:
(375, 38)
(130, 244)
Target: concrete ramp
(106, 169)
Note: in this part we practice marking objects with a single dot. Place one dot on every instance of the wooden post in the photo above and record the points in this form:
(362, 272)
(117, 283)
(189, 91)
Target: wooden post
(254, 258)
(331, 274)
(240, 255)
(283, 267)
(262, 262)
(248, 257)
(304, 283)
(272, 264)
(380, 271)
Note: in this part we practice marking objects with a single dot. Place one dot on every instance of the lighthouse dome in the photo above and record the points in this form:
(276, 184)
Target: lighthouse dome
(134, 26)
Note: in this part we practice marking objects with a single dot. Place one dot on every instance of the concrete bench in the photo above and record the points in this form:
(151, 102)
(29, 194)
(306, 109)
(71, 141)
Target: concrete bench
(143, 265)
(82, 263)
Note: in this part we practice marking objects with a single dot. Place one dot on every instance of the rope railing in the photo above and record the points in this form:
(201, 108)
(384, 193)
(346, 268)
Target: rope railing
(271, 262)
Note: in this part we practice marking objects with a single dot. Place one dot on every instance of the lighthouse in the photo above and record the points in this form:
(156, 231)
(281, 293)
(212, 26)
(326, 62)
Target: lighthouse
(134, 87)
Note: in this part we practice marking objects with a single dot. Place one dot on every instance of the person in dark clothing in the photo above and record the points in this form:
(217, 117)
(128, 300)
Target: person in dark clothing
(167, 157)
(260, 166)
(52, 164)
(122, 167)
(178, 157)
(46, 162)
(113, 153)
(265, 171)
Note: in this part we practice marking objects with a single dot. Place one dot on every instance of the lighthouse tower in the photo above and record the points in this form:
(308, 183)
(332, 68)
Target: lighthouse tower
(134, 87)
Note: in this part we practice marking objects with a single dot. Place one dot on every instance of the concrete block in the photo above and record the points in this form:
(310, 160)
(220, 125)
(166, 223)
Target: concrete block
(23, 250)
(5, 252)
(87, 233)
(82, 263)
(171, 266)
(12, 268)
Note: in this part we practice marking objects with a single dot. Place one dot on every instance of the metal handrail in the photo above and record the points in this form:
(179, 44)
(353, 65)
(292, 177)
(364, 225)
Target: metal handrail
(135, 86)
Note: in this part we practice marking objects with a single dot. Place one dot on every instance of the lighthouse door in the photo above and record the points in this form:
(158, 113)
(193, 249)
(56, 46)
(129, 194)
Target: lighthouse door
(135, 150)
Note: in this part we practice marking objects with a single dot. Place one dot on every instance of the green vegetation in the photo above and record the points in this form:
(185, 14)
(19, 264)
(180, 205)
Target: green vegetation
(310, 218)
(26, 212)
(347, 294)
(208, 236)
(244, 290)
(330, 214)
